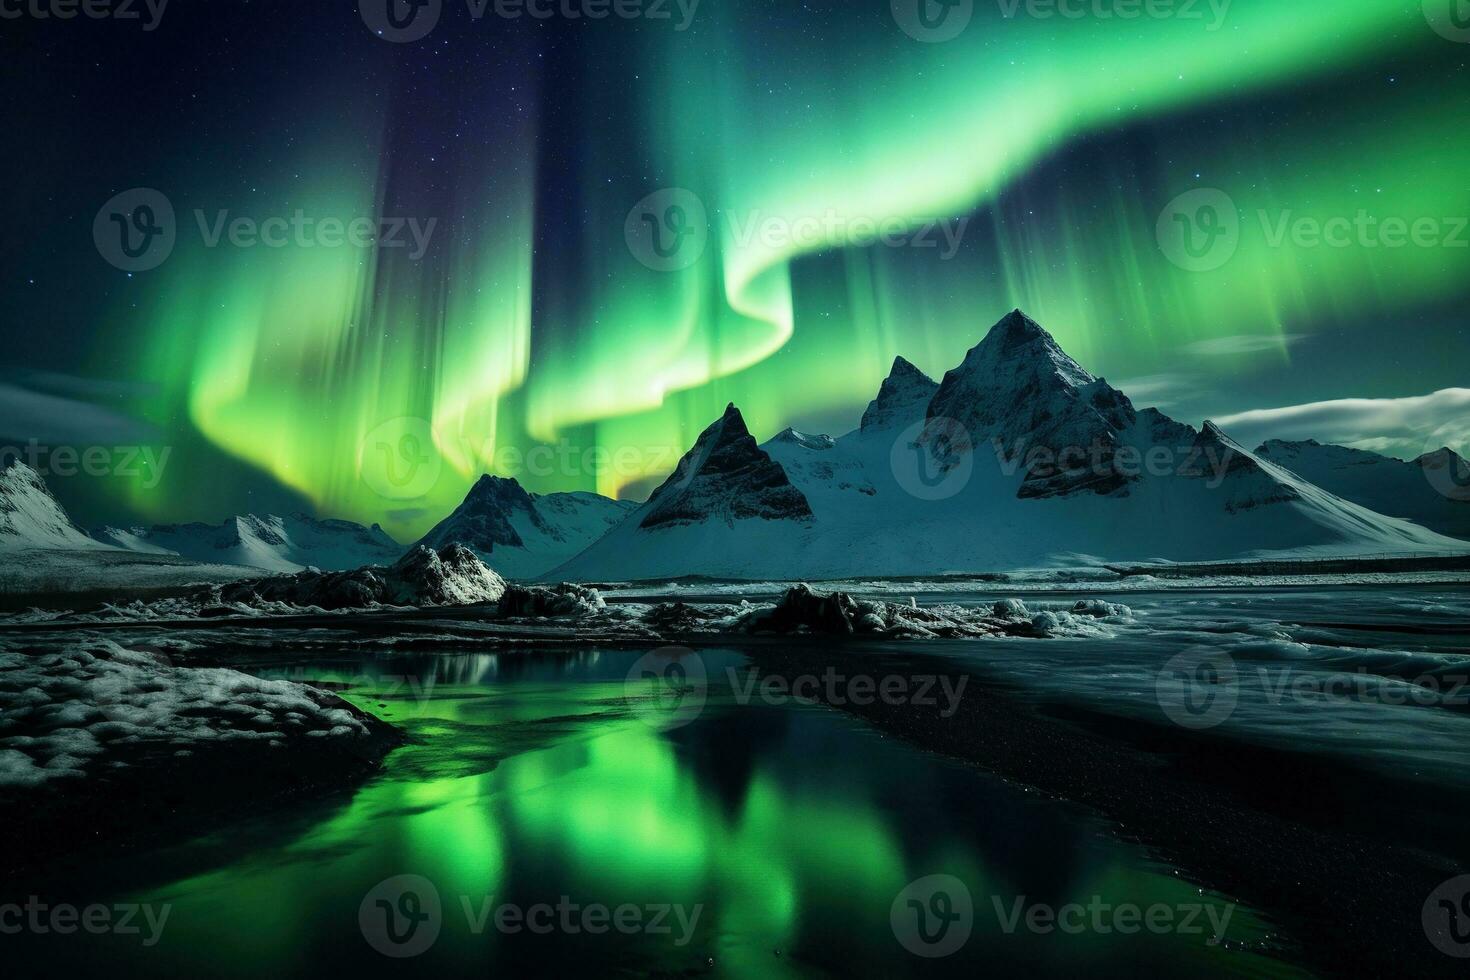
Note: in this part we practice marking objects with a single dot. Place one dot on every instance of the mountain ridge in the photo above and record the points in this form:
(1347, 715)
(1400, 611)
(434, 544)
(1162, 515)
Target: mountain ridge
(1022, 459)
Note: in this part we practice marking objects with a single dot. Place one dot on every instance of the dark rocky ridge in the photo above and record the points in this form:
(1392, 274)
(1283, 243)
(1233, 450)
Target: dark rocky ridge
(728, 477)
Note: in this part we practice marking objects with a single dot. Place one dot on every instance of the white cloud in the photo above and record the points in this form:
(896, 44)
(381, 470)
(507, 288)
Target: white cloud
(1242, 344)
(1405, 427)
(55, 421)
(1158, 390)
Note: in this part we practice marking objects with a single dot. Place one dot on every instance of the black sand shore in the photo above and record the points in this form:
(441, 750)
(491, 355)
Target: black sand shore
(1342, 861)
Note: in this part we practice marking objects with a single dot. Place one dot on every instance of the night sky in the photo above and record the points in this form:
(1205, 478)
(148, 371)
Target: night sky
(624, 224)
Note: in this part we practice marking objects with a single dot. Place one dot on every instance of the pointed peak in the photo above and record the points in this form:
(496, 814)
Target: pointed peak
(1440, 457)
(905, 370)
(729, 426)
(1016, 330)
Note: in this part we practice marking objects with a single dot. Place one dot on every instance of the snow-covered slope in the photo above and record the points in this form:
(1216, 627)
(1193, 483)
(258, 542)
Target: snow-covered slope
(32, 519)
(278, 544)
(522, 534)
(1020, 458)
(1432, 490)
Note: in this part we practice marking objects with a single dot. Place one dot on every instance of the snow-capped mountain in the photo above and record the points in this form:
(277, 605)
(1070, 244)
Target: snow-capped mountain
(904, 396)
(725, 478)
(1432, 490)
(1019, 458)
(32, 519)
(1016, 390)
(522, 534)
(727, 497)
(277, 544)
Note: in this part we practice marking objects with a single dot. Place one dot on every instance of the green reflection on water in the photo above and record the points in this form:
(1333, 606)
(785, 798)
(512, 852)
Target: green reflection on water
(793, 829)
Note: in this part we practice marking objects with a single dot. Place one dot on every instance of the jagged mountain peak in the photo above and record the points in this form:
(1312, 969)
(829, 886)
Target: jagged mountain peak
(902, 399)
(726, 476)
(905, 370)
(523, 534)
(1016, 338)
(1018, 391)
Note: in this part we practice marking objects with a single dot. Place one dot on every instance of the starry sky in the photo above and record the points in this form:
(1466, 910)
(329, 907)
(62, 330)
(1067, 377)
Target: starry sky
(588, 235)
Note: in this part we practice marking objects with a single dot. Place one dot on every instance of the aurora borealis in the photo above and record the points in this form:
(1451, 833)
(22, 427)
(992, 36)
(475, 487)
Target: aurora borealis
(530, 340)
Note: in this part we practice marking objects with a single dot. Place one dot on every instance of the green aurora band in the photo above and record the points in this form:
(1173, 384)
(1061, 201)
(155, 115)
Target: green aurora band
(312, 363)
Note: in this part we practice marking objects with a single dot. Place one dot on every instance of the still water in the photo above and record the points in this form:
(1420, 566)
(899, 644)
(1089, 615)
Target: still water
(539, 823)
